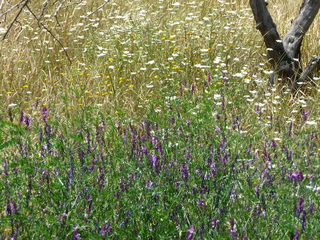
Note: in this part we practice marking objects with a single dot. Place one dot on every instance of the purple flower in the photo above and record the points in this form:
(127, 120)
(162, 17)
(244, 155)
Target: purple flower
(306, 115)
(149, 184)
(44, 114)
(214, 223)
(300, 206)
(295, 176)
(185, 172)
(311, 208)
(76, 235)
(201, 203)
(155, 163)
(303, 221)
(258, 111)
(106, 228)
(193, 87)
(256, 189)
(232, 229)
(208, 77)
(190, 233)
(296, 235)
(12, 208)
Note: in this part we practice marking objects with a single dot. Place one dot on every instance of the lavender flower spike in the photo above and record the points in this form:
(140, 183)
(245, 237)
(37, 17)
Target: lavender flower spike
(190, 233)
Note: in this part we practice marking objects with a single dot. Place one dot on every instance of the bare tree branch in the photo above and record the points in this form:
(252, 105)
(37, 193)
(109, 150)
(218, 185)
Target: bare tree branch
(292, 41)
(307, 74)
(98, 8)
(16, 18)
(10, 9)
(50, 32)
(58, 10)
(284, 55)
(268, 30)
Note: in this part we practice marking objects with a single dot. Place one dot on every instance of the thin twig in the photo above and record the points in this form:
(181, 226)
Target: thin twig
(98, 8)
(15, 19)
(71, 4)
(51, 33)
(1, 5)
(58, 8)
(45, 7)
(57, 11)
(313, 66)
(14, 6)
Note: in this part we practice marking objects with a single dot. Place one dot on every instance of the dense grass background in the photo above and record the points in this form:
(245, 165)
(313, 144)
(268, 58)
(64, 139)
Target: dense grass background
(161, 126)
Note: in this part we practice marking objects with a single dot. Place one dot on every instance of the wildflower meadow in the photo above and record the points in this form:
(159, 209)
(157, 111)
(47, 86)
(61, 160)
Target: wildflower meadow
(155, 120)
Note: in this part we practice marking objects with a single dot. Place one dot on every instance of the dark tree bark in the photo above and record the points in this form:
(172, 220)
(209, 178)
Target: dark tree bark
(284, 54)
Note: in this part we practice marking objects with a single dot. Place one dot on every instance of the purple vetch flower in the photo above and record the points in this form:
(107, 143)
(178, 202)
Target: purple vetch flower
(128, 214)
(232, 229)
(300, 207)
(185, 172)
(158, 148)
(76, 235)
(311, 208)
(295, 235)
(12, 208)
(190, 233)
(24, 118)
(155, 163)
(44, 114)
(208, 77)
(296, 176)
(123, 184)
(117, 125)
(306, 115)
(213, 168)
(193, 87)
(188, 122)
(303, 220)
(201, 203)
(106, 228)
(5, 165)
(22, 115)
(214, 223)
(149, 184)
(258, 111)
(223, 144)
(89, 198)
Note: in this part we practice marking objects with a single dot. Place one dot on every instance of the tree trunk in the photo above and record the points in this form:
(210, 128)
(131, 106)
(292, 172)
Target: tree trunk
(284, 55)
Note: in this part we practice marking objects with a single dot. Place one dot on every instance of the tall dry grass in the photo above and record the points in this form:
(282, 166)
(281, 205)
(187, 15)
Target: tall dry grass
(112, 52)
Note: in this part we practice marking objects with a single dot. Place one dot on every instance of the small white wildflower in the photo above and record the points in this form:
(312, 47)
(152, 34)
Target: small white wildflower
(151, 62)
(3, 30)
(216, 96)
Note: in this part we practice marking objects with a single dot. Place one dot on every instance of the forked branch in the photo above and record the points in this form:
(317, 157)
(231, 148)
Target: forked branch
(292, 41)
(284, 55)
